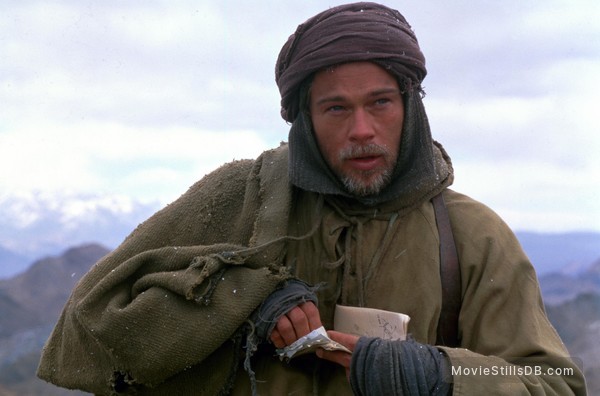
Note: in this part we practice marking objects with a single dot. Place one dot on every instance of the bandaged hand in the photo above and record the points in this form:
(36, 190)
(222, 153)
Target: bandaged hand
(290, 312)
(296, 323)
(382, 367)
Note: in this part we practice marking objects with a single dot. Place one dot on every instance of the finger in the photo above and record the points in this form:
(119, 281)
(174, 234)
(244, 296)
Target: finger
(342, 358)
(286, 330)
(312, 313)
(277, 339)
(347, 340)
(299, 321)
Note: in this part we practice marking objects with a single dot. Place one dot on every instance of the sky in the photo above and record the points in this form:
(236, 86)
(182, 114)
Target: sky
(140, 99)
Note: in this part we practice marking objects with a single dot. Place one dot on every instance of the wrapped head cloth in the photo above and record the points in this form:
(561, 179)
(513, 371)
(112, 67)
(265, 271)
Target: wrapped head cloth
(348, 33)
(352, 33)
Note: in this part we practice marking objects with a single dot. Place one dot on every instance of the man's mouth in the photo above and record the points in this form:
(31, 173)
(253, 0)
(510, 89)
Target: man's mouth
(366, 162)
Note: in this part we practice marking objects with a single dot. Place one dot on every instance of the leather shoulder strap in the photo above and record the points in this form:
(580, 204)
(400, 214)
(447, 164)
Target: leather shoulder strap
(447, 332)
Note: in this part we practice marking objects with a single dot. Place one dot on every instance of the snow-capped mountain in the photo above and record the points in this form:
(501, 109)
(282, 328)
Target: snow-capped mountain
(36, 225)
(33, 226)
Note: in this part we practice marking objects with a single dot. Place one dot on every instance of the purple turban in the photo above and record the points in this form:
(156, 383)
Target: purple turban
(348, 33)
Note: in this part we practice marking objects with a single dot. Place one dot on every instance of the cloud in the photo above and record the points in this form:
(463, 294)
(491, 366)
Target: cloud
(145, 163)
(535, 196)
(144, 98)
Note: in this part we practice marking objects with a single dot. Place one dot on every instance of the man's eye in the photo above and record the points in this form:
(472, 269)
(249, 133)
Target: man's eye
(335, 109)
(382, 101)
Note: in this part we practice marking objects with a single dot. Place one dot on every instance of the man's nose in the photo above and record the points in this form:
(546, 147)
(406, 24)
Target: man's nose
(361, 129)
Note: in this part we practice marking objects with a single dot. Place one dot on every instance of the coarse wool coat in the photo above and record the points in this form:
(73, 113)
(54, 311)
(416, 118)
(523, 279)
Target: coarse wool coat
(166, 311)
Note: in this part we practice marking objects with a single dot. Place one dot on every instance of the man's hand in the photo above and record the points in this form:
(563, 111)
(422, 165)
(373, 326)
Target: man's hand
(339, 357)
(298, 322)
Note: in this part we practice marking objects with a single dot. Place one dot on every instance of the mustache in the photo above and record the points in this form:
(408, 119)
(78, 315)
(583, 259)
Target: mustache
(358, 151)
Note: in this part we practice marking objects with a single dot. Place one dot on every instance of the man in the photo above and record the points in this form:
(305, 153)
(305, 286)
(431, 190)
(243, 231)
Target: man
(258, 253)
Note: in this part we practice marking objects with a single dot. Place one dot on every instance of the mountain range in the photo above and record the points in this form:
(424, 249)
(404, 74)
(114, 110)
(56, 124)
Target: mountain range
(30, 304)
(39, 266)
(35, 225)
(38, 225)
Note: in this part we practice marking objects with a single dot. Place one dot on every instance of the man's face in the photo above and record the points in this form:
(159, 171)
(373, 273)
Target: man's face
(357, 114)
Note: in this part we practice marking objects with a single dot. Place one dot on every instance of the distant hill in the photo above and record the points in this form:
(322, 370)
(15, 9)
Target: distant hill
(38, 225)
(573, 306)
(562, 252)
(12, 263)
(550, 253)
(558, 287)
(36, 289)
(6, 392)
(578, 323)
(15, 316)
(30, 304)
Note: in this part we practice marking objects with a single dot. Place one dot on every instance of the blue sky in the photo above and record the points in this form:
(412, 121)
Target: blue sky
(141, 99)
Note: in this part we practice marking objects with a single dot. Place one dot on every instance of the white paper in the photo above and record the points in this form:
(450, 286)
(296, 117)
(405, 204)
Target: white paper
(371, 322)
(309, 343)
(367, 322)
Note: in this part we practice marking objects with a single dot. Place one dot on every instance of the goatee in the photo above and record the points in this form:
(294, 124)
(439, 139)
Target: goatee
(370, 182)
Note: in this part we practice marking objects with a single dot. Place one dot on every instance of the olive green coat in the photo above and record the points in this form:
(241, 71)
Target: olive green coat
(165, 310)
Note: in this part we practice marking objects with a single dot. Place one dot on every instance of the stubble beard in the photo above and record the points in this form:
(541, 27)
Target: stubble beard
(371, 182)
